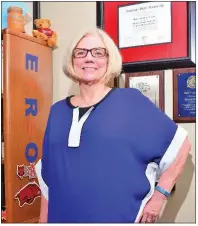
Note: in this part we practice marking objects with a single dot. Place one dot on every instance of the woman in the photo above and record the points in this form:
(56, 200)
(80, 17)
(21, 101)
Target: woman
(104, 148)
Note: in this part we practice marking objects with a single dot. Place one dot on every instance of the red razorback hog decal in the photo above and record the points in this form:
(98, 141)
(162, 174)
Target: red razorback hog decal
(28, 194)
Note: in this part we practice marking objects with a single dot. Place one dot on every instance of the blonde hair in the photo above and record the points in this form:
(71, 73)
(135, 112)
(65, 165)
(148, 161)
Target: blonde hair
(114, 66)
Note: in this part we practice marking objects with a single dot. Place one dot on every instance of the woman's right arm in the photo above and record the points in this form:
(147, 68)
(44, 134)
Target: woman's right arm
(44, 210)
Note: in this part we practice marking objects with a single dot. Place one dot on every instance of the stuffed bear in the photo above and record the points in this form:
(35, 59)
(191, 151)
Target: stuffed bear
(44, 32)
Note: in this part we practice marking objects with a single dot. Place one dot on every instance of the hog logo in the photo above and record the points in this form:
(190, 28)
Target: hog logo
(3, 215)
(20, 171)
(28, 194)
(26, 171)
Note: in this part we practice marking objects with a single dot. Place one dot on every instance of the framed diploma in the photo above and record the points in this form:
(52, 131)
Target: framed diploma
(184, 95)
(143, 24)
(150, 35)
(151, 84)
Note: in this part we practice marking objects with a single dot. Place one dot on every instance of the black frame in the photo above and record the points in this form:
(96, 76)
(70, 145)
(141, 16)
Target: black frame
(189, 61)
(36, 12)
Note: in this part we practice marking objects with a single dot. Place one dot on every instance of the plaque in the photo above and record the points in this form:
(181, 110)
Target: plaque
(151, 84)
(184, 96)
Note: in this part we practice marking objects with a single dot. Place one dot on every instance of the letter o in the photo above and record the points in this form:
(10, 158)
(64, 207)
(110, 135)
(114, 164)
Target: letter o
(30, 158)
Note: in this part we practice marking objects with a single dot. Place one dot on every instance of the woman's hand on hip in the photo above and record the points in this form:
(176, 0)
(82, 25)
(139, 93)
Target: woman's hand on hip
(153, 208)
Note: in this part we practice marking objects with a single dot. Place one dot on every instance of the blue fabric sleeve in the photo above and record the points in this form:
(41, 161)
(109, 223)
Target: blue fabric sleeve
(157, 129)
(164, 130)
(45, 153)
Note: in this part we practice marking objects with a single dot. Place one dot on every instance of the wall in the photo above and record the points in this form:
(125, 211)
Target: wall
(67, 18)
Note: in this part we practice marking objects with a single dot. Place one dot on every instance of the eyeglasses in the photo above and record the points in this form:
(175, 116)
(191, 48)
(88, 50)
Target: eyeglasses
(95, 52)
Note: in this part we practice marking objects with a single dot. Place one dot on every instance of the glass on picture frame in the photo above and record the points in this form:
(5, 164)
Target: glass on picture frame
(184, 95)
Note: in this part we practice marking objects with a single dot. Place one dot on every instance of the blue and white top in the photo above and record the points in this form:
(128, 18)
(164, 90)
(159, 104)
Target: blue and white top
(103, 167)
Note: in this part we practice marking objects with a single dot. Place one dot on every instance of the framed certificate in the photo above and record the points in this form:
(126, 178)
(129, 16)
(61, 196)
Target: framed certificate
(151, 84)
(150, 35)
(143, 24)
(184, 95)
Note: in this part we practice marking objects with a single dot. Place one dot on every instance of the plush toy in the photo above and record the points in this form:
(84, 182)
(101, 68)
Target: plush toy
(44, 32)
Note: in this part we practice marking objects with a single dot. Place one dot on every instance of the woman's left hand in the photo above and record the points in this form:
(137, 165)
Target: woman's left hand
(152, 209)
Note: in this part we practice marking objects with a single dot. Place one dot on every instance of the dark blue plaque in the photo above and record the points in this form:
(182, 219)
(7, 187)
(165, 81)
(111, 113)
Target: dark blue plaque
(186, 83)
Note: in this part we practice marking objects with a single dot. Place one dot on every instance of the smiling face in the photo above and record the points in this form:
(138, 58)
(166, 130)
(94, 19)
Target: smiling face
(90, 68)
